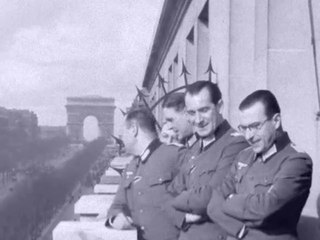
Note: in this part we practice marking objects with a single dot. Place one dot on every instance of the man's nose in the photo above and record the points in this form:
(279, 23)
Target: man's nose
(170, 125)
(249, 134)
(198, 118)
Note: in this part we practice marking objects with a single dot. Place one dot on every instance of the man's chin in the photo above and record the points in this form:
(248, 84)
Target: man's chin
(181, 138)
(256, 149)
(202, 133)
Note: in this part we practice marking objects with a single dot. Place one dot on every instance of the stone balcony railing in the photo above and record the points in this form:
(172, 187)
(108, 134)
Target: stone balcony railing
(89, 207)
(91, 210)
(90, 231)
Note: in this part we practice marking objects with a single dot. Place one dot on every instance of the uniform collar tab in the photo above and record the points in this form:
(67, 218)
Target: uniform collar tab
(219, 132)
(268, 153)
(191, 141)
(222, 129)
(280, 143)
(149, 150)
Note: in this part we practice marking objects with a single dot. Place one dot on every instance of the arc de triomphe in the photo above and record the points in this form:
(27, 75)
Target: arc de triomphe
(78, 108)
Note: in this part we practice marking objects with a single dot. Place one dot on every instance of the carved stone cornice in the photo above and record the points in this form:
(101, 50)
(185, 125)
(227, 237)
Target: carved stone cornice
(170, 20)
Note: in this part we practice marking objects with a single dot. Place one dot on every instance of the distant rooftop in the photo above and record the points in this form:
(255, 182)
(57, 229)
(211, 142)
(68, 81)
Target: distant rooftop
(90, 100)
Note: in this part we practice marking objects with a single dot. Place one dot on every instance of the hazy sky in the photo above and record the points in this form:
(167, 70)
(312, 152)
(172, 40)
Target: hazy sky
(51, 49)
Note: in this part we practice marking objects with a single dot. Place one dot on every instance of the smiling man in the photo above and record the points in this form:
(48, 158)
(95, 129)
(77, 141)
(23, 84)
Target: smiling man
(205, 164)
(263, 195)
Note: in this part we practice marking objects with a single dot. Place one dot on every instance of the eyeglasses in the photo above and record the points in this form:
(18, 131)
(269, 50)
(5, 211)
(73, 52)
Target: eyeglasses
(253, 127)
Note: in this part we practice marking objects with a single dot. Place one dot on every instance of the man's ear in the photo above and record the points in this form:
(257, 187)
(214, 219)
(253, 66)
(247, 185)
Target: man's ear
(219, 106)
(277, 120)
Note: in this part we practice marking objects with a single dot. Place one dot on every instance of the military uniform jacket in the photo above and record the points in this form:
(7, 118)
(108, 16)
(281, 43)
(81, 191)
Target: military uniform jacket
(203, 169)
(143, 190)
(318, 207)
(268, 196)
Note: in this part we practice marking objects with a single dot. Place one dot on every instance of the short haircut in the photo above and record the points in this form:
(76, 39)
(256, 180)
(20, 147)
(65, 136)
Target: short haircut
(266, 97)
(213, 89)
(144, 119)
(175, 101)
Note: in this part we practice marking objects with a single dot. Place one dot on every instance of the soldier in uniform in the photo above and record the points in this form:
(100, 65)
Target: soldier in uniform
(205, 163)
(143, 188)
(318, 208)
(175, 118)
(263, 194)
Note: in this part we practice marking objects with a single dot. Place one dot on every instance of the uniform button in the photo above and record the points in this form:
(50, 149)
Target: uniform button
(193, 157)
(142, 228)
(160, 179)
(141, 211)
(139, 193)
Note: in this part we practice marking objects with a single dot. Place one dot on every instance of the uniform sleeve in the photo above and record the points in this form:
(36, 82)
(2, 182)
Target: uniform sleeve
(318, 207)
(178, 185)
(291, 182)
(228, 185)
(119, 203)
(179, 182)
(214, 210)
(219, 195)
(196, 200)
(176, 216)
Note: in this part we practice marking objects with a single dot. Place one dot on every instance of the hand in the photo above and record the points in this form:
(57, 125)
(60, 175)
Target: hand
(121, 222)
(192, 218)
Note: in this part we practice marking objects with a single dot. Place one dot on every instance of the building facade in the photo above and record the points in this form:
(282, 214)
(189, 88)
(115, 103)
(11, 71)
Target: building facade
(265, 44)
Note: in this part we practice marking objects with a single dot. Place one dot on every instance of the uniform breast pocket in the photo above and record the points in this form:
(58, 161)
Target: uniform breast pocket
(160, 180)
(157, 190)
(205, 176)
(263, 184)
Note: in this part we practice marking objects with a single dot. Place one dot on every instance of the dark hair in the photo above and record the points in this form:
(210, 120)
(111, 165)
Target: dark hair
(143, 117)
(266, 97)
(174, 100)
(213, 89)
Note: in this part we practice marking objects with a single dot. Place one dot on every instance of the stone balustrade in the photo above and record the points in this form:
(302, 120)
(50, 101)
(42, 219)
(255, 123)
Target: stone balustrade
(119, 163)
(110, 179)
(90, 231)
(110, 176)
(105, 188)
(88, 207)
(111, 172)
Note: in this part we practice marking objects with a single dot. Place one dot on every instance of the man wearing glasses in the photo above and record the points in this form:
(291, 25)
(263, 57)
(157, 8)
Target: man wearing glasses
(263, 195)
